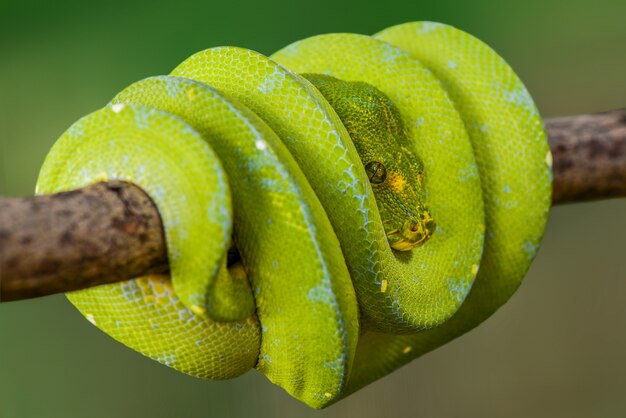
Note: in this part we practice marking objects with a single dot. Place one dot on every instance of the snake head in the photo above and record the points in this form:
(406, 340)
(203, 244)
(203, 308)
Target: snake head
(407, 221)
(395, 172)
(397, 183)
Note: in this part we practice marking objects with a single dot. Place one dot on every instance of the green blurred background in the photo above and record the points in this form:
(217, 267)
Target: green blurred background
(556, 349)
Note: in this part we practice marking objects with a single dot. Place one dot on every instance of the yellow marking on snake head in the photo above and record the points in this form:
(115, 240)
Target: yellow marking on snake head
(474, 269)
(328, 394)
(383, 286)
(407, 349)
(419, 178)
(397, 182)
(427, 217)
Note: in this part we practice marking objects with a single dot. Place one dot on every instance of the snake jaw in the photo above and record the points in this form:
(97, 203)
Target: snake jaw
(414, 233)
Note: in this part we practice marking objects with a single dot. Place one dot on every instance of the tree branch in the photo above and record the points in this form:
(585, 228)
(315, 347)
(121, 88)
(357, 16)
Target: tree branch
(112, 231)
(99, 234)
(589, 154)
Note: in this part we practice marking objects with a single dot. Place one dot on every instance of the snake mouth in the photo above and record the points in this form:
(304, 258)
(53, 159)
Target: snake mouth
(413, 234)
(407, 244)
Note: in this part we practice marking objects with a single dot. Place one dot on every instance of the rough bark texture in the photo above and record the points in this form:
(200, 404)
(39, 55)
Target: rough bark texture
(67, 241)
(589, 153)
(112, 231)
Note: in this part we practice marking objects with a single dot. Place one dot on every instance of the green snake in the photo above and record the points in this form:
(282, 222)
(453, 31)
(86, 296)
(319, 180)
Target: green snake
(331, 212)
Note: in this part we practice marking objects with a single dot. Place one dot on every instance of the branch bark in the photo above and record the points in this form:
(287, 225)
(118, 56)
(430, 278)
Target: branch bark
(112, 231)
(589, 154)
(99, 234)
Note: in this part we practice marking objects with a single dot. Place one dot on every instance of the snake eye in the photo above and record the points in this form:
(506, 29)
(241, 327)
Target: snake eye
(376, 172)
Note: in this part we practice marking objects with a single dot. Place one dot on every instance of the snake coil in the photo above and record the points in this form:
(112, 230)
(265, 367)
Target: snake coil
(314, 297)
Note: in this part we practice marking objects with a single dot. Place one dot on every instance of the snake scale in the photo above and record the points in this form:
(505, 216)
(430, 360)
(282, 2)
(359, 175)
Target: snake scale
(331, 212)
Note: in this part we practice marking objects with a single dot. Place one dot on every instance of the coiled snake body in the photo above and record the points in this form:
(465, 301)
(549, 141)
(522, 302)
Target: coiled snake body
(353, 255)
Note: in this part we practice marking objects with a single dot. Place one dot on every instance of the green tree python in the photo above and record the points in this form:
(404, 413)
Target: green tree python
(331, 212)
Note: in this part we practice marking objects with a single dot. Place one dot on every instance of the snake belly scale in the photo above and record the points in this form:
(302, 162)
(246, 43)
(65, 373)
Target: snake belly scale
(383, 195)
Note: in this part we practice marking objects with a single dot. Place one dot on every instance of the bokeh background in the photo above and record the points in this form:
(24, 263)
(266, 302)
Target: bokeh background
(556, 349)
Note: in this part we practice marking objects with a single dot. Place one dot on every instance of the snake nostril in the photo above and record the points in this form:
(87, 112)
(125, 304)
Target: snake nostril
(414, 227)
